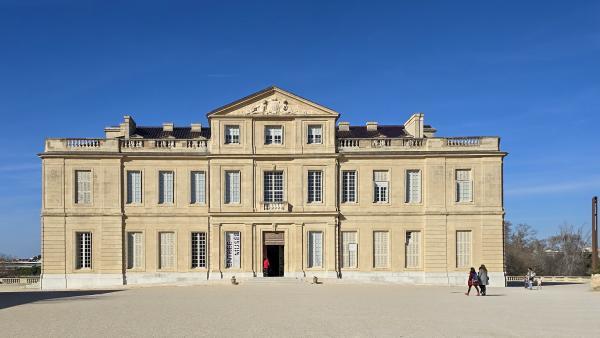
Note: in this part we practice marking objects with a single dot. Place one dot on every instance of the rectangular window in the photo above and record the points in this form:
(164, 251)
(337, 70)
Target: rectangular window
(380, 185)
(350, 248)
(381, 247)
(273, 135)
(232, 249)
(315, 134)
(232, 187)
(464, 186)
(134, 187)
(273, 186)
(167, 250)
(198, 187)
(198, 250)
(463, 249)
(165, 187)
(413, 186)
(83, 187)
(315, 249)
(413, 249)
(315, 186)
(135, 250)
(84, 250)
(232, 134)
(348, 186)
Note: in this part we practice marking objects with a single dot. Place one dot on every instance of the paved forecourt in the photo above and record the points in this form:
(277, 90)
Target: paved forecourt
(302, 309)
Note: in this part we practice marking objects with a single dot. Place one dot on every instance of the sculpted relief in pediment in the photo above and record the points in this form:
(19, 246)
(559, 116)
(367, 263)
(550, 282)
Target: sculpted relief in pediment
(277, 105)
(272, 106)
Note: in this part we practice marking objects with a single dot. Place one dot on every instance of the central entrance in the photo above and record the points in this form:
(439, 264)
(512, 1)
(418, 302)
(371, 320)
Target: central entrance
(273, 250)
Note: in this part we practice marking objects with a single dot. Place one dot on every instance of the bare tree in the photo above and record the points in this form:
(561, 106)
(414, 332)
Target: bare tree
(566, 251)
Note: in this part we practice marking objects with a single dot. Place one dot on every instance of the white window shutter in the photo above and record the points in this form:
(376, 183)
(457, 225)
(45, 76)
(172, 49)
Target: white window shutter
(463, 249)
(413, 249)
(381, 249)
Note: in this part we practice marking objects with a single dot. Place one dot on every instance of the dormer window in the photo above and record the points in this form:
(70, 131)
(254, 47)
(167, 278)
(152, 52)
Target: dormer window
(315, 134)
(273, 135)
(232, 134)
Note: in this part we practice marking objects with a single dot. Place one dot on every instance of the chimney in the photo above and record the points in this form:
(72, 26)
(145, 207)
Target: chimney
(371, 126)
(127, 127)
(168, 126)
(414, 125)
(344, 126)
(196, 127)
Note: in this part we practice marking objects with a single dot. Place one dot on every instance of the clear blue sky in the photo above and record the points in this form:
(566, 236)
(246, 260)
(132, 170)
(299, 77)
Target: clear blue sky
(528, 71)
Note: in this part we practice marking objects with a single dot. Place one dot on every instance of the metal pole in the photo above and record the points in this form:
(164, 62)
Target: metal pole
(594, 233)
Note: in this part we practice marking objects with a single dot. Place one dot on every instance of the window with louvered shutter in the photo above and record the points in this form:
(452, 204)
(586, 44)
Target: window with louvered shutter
(463, 249)
(381, 247)
(232, 187)
(84, 250)
(134, 187)
(198, 187)
(315, 134)
(198, 249)
(135, 250)
(315, 249)
(232, 134)
(349, 251)
(315, 186)
(167, 250)
(165, 187)
(233, 250)
(381, 186)
(273, 135)
(464, 186)
(348, 186)
(83, 187)
(413, 186)
(413, 249)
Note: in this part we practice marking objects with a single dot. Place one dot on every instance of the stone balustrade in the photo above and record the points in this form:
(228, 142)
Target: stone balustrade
(24, 280)
(275, 206)
(126, 145)
(350, 145)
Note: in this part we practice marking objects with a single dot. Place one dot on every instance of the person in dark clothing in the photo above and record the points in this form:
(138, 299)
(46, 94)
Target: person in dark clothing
(472, 281)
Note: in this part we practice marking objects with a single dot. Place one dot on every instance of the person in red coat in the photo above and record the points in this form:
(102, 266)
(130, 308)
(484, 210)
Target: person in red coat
(266, 266)
(473, 281)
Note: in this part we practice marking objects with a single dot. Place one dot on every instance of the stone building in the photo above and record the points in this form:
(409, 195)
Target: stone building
(271, 176)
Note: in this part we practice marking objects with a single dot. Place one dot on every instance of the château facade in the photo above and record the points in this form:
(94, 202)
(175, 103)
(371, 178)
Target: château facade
(273, 175)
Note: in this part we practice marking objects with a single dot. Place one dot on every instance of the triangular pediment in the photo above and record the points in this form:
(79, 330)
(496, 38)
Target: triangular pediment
(273, 101)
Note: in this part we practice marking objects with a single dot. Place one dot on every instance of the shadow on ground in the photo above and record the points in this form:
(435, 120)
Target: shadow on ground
(10, 299)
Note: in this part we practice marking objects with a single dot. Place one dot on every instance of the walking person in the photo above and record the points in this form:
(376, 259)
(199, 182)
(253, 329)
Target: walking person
(473, 281)
(266, 266)
(484, 280)
(530, 278)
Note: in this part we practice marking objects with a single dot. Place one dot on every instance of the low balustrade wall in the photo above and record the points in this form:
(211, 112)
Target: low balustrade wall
(419, 144)
(126, 145)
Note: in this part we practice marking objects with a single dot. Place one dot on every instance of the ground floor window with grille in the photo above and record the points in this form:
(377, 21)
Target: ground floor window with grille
(381, 248)
(413, 249)
(84, 250)
(350, 249)
(463, 249)
(167, 250)
(198, 250)
(232, 249)
(315, 249)
(135, 250)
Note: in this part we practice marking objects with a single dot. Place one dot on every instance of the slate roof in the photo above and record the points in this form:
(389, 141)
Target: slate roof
(382, 131)
(178, 133)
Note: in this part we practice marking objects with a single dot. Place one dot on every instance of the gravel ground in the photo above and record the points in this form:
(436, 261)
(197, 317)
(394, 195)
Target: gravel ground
(299, 309)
